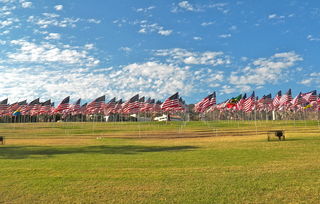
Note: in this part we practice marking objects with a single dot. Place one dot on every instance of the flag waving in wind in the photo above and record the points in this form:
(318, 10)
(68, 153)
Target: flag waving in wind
(173, 103)
(64, 105)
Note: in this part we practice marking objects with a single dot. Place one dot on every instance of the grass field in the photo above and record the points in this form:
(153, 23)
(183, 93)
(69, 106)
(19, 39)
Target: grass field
(175, 162)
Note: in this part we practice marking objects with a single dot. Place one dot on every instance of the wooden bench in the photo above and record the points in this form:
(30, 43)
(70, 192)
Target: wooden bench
(2, 140)
(276, 133)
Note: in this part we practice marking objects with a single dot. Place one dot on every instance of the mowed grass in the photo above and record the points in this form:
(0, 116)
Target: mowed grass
(176, 162)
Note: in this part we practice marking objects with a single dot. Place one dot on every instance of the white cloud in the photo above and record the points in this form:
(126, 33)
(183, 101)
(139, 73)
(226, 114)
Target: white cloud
(6, 32)
(89, 46)
(53, 36)
(306, 81)
(26, 4)
(146, 27)
(312, 38)
(165, 32)
(142, 30)
(271, 16)
(144, 10)
(204, 24)
(266, 70)
(5, 23)
(8, 22)
(125, 49)
(49, 53)
(186, 5)
(276, 17)
(120, 22)
(51, 19)
(312, 79)
(58, 7)
(225, 35)
(150, 79)
(228, 89)
(92, 20)
(197, 38)
(178, 55)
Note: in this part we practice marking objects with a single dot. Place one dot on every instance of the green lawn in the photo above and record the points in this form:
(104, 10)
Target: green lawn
(177, 162)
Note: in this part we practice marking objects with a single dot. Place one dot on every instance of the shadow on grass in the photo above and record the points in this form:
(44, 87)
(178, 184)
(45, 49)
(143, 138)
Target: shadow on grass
(22, 152)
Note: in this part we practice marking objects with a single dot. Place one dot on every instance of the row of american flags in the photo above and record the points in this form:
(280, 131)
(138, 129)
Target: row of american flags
(174, 103)
(280, 102)
(135, 104)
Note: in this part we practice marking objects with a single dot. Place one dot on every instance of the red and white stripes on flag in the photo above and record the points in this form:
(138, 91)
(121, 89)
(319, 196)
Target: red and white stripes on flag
(249, 103)
(239, 105)
(297, 100)
(148, 106)
(74, 109)
(97, 105)
(264, 104)
(31, 108)
(132, 105)
(45, 108)
(285, 99)
(309, 97)
(64, 105)
(173, 103)
(3, 107)
(205, 103)
(109, 106)
(276, 100)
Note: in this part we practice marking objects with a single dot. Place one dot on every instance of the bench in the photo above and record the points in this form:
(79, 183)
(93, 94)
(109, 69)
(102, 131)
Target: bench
(276, 133)
(2, 140)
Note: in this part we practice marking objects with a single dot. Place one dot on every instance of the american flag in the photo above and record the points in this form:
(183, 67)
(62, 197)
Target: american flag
(248, 104)
(22, 103)
(132, 105)
(12, 107)
(3, 106)
(171, 103)
(206, 103)
(264, 103)
(97, 105)
(64, 105)
(309, 97)
(148, 105)
(276, 100)
(297, 100)
(268, 99)
(83, 109)
(239, 104)
(109, 106)
(74, 109)
(182, 107)
(117, 107)
(35, 107)
(286, 99)
(222, 105)
(157, 107)
(45, 108)
(141, 103)
(26, 110)
(16, 107)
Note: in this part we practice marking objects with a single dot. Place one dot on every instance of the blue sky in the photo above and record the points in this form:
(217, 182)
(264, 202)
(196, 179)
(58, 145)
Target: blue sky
(52, 49)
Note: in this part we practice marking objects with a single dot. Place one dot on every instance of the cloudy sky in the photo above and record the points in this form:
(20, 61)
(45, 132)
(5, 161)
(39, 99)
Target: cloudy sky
(52, 49)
